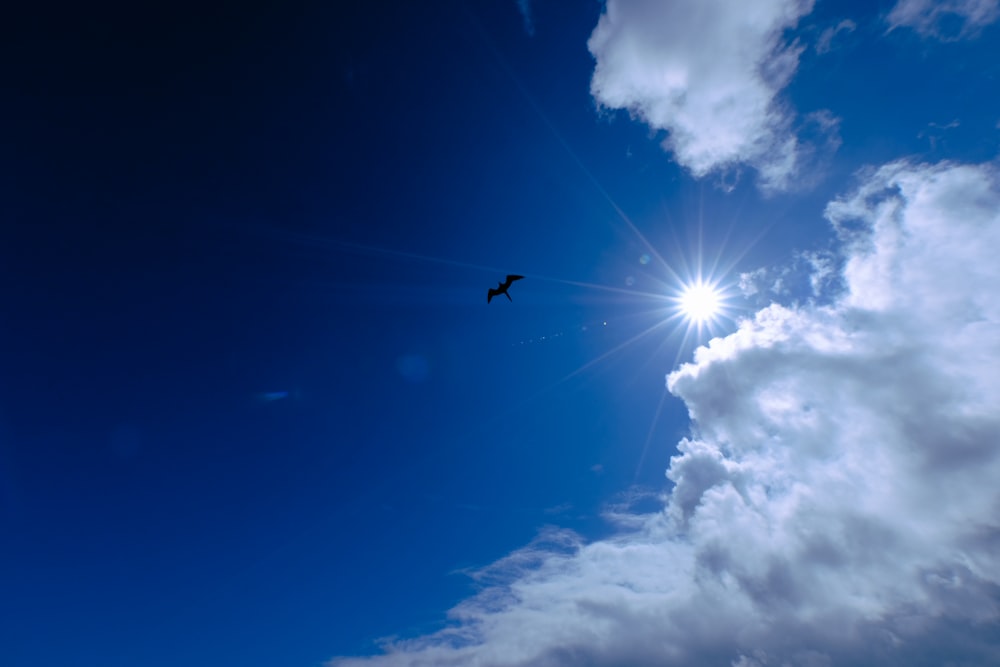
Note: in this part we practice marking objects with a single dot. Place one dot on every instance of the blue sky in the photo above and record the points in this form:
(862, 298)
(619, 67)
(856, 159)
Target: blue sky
(255, 409)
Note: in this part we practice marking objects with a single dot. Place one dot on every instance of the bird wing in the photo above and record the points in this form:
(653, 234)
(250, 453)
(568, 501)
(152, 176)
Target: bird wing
(492, 293)
(511, 278)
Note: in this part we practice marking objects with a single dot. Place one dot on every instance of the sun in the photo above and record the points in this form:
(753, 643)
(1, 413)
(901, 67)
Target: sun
(700, 302)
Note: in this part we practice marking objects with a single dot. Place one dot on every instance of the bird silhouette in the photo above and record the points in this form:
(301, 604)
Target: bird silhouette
(502, 288)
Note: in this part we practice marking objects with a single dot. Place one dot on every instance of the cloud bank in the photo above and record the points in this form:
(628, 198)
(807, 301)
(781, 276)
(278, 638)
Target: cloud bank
(708, 73)
(836, 502)
(947, 20)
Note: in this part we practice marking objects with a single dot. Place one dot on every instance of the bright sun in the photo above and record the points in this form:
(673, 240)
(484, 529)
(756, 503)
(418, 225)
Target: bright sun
(700, 302)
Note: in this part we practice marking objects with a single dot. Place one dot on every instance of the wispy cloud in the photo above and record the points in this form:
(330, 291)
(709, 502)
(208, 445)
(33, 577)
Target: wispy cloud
(836, 501)
(825, 40)
(709, 73)
(524, 7)
(812, 276)
(947, 20)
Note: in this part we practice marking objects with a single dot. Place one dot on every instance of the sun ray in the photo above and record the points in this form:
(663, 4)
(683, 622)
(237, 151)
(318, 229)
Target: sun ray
(645, 332)
(649, 434)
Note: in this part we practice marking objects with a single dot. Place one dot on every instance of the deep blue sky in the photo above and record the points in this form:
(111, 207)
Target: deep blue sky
(254, 408)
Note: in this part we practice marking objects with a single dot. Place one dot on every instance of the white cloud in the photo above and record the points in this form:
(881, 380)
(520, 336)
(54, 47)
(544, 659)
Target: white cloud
(812, 276)
(947, 20)
(708, 73)
(823, 272)
(752, 282)
(837, 500)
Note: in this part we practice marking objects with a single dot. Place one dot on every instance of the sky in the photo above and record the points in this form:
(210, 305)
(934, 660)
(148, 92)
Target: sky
(255, 409)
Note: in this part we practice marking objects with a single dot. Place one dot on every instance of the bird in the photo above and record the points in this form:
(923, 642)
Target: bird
(502, 288)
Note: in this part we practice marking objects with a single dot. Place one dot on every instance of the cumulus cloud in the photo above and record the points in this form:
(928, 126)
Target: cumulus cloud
(709, 73)
(836, 501)
(947, 20)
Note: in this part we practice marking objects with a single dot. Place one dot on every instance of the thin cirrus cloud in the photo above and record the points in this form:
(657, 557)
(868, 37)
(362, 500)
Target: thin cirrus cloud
(824, 43)
(947, 20)
(524, 8)
(836, 500)
(709, 74)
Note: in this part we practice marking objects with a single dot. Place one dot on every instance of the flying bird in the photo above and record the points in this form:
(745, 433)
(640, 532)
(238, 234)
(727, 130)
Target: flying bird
(502, 288)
